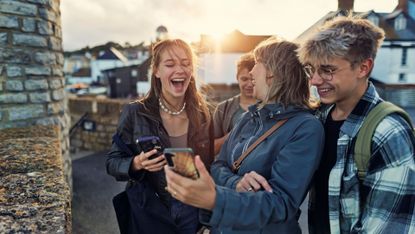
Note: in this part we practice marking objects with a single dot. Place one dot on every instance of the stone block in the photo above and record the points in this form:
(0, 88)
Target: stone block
(57, 71)
(55, 84)
(42, 2)
(14, 85)
(44, 58)
(110, 129)
(55, 43)
(9, 22)
(45, 28)
(3, 38)
(56, 108)
(13, 98)
(59, 58)
(36, 84)
(47, 14)
(19, 56)
(58, 95)
(48, 121)
(43, 97)
(29, 40)
(26, 112)
(14, 71)
(18, 8)
(38, 71)
(28, 25)
(58, 31)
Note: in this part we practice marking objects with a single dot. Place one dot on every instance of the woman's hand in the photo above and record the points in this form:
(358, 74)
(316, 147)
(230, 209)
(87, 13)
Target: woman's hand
(142, 161)
(199, 193)
(252, 182)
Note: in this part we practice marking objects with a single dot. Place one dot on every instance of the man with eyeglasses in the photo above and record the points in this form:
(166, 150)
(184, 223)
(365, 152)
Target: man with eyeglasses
(338, 61)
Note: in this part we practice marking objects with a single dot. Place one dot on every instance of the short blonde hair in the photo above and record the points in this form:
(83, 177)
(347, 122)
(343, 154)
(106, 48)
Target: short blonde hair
(289, 82)
(351, 38)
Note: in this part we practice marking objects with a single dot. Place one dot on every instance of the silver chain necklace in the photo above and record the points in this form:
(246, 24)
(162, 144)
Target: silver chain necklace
(165, 109)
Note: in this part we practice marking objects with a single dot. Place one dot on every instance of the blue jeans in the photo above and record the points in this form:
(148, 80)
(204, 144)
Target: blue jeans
(185, 216)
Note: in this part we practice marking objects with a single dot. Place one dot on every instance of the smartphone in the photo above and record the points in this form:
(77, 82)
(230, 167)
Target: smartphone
(148, 143)
(182, 161)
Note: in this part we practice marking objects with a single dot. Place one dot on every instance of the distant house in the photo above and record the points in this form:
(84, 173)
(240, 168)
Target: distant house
(122, 81)
(136, 54)
(218, 57)
(74, 62)
(107, 59)
(394, 71)
(82, 75)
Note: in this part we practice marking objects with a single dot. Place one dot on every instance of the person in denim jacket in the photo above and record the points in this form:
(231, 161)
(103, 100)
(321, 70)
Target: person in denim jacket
(339, 60)
(265, 194)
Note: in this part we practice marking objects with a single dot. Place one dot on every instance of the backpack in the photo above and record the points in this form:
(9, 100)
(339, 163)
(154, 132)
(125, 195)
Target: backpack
(362, 149)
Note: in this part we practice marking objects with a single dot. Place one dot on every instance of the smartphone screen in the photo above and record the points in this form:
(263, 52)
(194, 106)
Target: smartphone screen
(148, 143)
(181, 160)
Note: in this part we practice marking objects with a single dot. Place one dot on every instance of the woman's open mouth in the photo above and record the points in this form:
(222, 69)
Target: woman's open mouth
(178, 84)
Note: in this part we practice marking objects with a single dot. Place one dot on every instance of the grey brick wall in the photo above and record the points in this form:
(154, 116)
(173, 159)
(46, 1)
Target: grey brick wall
(31, 64)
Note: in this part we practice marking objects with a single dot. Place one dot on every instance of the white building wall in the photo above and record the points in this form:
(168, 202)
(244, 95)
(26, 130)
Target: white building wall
(98, 65)
(388, 64)
(218, 67)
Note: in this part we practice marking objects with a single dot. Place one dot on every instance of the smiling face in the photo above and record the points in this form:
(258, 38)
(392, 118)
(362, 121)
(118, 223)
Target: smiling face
(338, 82)
(261, 81)
(175, 72)
(245, 83)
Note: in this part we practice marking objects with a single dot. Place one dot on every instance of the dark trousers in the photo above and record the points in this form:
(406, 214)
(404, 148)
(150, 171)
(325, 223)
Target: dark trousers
(185, 217)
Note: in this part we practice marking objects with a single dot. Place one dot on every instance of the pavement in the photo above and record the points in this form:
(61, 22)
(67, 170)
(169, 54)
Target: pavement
(93, 189)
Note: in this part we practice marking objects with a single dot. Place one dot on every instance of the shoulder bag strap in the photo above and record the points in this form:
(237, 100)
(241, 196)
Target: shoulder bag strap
(237, 164)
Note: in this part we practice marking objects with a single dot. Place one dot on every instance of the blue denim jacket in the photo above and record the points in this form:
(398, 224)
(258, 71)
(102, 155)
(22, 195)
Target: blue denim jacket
(287, 159)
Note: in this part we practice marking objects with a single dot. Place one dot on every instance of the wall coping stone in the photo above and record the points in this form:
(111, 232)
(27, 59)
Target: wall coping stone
(34, 196)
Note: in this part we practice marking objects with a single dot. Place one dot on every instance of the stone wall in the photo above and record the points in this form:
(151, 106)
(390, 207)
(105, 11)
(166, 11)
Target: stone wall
(34, 196)
(103, 115)
(31, 64)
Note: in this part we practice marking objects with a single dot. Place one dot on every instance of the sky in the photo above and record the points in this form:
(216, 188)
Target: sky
(95, 22)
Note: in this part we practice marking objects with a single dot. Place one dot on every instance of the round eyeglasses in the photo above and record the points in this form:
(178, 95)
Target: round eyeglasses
(326, 72)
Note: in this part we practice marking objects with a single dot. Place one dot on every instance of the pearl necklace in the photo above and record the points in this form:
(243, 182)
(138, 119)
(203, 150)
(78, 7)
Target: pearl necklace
(165, 109)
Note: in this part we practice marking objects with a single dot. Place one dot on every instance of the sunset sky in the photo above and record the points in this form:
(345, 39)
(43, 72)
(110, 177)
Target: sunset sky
(93, 22)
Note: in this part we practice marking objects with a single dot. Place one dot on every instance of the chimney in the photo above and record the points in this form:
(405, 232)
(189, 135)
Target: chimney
(345, 5)
(402, 5)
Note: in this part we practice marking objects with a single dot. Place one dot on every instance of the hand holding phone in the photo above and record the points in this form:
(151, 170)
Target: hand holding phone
(148, 143)
(181, 160)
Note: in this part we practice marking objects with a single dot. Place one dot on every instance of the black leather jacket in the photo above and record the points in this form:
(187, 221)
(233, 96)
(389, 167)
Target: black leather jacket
(136, 121)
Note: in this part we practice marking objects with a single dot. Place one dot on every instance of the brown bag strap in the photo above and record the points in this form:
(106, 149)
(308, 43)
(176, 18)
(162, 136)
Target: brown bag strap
(237, 164)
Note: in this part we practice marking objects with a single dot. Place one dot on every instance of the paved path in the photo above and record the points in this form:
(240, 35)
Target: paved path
(93, 189)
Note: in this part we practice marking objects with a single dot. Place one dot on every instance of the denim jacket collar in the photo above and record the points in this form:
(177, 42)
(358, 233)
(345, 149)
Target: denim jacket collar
(275, 111)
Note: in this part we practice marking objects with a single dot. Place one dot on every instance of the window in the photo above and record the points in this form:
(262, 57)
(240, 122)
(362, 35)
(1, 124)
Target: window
(134, 73)
(404, 56)
(400, 23)
(402, 77)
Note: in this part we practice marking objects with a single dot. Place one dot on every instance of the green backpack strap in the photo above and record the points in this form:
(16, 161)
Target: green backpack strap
(362, 149)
